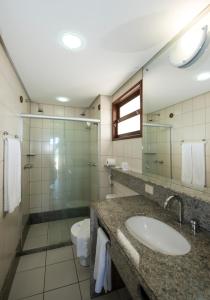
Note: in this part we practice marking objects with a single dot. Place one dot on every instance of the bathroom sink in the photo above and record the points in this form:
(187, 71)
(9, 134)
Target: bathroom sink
(157, 235)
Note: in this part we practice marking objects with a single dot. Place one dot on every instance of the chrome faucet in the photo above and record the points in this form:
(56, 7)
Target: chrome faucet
(181, 205)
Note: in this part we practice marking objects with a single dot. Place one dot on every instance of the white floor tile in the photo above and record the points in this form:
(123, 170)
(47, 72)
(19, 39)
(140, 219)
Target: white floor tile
(70, 292)
(82, 272)
(60, 274)
(36, 297)
(59, 255)
(27, 283)
(37, 242)
(38, 229)
(31, 261)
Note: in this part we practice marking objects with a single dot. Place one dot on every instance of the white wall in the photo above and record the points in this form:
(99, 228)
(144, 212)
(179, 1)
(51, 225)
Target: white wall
(10, 107)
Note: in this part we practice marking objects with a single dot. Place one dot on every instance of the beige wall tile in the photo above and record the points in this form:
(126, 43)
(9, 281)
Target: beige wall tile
(10, 107)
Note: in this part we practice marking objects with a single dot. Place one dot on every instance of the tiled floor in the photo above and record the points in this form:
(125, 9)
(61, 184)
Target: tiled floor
(49, 233)
(54, 275)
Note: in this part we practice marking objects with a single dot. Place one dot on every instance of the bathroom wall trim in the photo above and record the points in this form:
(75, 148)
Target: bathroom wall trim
(5, 290)
(61, 214)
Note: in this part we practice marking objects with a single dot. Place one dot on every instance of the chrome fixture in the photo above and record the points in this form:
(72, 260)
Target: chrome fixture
(91, 164)
(34, 116)
(194, 226)
(181, 206)
(159, 162)
(28, 166)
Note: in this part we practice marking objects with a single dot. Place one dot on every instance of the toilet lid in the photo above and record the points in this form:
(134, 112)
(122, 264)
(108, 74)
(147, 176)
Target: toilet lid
(76, 228)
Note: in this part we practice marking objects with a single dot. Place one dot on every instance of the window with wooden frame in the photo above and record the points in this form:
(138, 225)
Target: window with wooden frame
(127, 114)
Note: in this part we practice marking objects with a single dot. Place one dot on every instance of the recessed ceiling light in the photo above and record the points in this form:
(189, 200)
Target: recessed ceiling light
(71, 41)
(203, 76)
(63, 99)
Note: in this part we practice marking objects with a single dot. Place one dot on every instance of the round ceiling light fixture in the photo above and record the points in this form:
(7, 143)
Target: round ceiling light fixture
(62, 99)
(72, 41)
(203, 76)
(188, 47)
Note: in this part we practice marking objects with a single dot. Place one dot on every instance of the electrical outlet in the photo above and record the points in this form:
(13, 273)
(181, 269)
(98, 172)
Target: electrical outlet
(149, 189)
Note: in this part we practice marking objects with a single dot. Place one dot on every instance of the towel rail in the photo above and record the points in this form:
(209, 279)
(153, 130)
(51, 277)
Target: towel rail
(6, 133)
(203, 140)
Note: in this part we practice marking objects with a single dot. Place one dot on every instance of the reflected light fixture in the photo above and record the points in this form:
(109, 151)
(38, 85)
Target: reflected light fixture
(71, 41)
(188, 46)
(203, 76)
(63, 99)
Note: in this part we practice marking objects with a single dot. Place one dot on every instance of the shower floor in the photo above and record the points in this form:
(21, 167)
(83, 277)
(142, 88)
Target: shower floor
(48, 234)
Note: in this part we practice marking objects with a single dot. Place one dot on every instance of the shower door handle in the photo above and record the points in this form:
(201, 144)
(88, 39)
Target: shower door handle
(91, 164)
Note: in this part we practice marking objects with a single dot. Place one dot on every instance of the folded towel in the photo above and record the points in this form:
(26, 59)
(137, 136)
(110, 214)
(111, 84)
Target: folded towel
(198, 162)
(102, 268)
(83, 239)
(12, 174)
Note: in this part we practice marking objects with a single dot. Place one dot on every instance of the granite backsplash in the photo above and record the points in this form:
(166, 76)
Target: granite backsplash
(194, 208)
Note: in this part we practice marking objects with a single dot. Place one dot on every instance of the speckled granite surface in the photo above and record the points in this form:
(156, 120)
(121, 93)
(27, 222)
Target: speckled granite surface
(194, 207)
(166, 277)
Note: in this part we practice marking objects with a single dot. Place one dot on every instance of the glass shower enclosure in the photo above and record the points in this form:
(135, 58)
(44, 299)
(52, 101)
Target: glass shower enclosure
(63, 160)
(157, 150)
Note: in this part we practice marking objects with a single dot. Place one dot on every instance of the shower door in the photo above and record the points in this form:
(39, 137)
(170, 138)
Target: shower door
(157, 151)
(61, 152)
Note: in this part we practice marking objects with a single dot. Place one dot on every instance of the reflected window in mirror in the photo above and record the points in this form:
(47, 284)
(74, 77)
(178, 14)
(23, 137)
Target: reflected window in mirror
(127, 114)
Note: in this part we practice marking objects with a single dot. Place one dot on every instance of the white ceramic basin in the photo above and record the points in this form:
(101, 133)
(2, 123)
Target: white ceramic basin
(157, 235)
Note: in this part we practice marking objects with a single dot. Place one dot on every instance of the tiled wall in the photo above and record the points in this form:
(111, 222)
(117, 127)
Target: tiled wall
(157, 151)
(10, 107)
(60, 177)
(191, 122)
(128, 150)
(105, 143)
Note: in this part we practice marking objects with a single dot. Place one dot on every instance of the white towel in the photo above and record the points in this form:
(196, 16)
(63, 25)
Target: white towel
(12, 174)
(187, 163)
(83, 239)
(198, 162)
(102, 268)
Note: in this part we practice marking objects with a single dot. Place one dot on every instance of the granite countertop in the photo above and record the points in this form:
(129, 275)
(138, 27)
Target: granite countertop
(167, 277)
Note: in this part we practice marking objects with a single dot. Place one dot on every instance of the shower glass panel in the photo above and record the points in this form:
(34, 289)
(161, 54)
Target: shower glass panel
(157, 151)
(60, 155)
(63, 160)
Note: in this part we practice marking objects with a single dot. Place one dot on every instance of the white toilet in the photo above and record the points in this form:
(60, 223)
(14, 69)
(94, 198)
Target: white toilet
(75, 231)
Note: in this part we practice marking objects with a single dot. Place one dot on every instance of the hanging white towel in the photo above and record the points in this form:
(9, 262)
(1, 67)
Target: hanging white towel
(83, 239)
(102, 268)
(12, 174)
(187, 169)
(198, 162)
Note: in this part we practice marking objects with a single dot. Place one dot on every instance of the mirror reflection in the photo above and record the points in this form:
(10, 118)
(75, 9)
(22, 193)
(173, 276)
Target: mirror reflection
(177, 109)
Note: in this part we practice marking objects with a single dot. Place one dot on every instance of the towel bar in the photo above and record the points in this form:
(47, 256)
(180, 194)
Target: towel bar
(6, 133)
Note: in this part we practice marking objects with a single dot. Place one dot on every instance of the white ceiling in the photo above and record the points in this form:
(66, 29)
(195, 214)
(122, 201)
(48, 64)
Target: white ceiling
(120, 36)
(165, 85)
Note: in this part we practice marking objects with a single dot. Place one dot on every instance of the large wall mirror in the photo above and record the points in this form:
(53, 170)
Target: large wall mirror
(176, 92)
